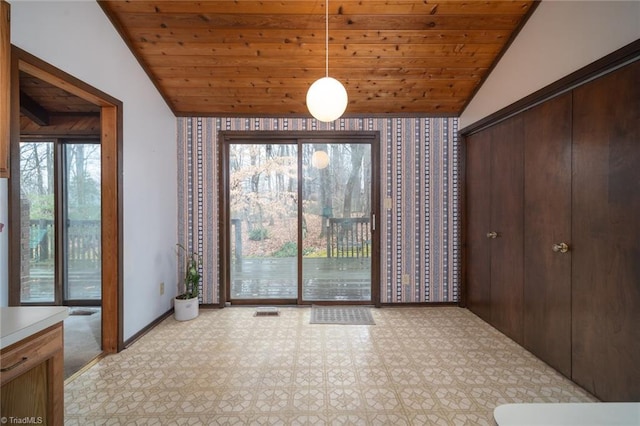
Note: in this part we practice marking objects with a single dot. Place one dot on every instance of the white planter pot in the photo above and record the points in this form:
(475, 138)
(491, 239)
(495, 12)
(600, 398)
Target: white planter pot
(185, 309)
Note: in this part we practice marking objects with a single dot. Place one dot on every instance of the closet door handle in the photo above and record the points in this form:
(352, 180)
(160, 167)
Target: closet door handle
(492, 234)
(560, 247)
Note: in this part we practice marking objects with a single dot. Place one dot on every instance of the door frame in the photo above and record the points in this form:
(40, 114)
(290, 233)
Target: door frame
(111, 188)
(295, 137)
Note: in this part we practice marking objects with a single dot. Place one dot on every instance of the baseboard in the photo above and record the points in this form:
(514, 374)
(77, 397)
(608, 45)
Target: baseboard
(145, 330)
(211, 306)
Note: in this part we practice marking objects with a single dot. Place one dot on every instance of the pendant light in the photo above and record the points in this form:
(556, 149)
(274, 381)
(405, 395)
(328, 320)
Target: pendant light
(320, 159)
(327, 98)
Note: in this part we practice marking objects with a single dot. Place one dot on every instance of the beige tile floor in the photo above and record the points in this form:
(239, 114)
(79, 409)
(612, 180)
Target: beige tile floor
(416, 366)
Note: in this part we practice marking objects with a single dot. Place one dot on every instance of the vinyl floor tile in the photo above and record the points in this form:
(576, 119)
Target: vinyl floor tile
(416, 366)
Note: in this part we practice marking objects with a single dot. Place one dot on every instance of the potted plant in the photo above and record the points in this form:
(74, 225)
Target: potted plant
(186, 303)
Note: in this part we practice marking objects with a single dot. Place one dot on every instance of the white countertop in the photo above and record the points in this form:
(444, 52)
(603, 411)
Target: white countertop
(566, 414)
(17, 323)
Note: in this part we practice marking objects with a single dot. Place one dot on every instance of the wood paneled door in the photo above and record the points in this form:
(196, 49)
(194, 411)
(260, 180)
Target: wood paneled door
(606, 235)
(547, 224)
(506, 223)
(494, 227)
(478, 210)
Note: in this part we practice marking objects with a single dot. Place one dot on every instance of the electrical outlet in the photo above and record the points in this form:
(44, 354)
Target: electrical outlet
(406, 279)
(161, 289)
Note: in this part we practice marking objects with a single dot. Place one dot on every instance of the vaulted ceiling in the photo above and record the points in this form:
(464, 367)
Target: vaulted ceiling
(258, 58)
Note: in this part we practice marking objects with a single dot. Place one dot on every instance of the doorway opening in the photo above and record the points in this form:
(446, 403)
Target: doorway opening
(299, 218)
(66, 144)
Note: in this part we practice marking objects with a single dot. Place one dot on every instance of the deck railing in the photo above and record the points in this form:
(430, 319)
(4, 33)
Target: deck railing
(349, 237)
(83, 244)
(345, 237)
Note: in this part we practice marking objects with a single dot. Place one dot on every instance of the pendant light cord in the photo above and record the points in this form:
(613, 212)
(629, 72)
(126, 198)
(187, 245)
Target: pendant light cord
(326, 37)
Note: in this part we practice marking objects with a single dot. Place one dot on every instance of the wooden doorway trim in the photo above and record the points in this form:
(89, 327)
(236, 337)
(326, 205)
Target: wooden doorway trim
(111, 188)
(5, 86)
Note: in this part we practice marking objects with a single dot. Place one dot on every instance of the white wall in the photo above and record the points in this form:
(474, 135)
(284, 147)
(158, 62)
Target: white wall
(78, 38)
(559, 38)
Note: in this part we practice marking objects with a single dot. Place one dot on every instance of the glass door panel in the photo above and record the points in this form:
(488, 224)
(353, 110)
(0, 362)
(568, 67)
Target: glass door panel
(263, 187)
(37, 223)
(82, 237)
(336, 210)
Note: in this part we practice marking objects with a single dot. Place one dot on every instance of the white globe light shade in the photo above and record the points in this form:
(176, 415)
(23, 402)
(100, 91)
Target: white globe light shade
(327, 99)
(320, 159)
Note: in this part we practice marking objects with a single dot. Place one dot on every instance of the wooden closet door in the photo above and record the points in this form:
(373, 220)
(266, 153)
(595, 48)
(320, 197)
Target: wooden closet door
(507, 221)
(606, 235)
(547, 221)
(478, 221)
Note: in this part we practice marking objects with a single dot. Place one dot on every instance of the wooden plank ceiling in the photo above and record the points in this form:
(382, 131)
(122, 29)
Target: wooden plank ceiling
(258, 58)
(49, 110)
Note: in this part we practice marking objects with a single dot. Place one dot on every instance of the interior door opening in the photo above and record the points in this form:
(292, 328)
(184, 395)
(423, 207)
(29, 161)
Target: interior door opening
(300, 219)
(70, 112)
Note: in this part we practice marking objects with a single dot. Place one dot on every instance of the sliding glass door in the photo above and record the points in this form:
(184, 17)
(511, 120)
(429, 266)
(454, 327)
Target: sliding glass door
(264, 221)
(60, 225)
(336, 245)
(37, 223)
(300, 222)
(82, 259)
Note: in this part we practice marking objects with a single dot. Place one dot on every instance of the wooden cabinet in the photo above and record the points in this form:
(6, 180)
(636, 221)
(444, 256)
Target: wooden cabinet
(32, 378)
(575, 181)
(5, 93)
(606, 235)
(494, 206)
(547, 223)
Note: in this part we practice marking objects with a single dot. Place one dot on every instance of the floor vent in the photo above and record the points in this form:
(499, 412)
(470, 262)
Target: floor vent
(267, 311)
